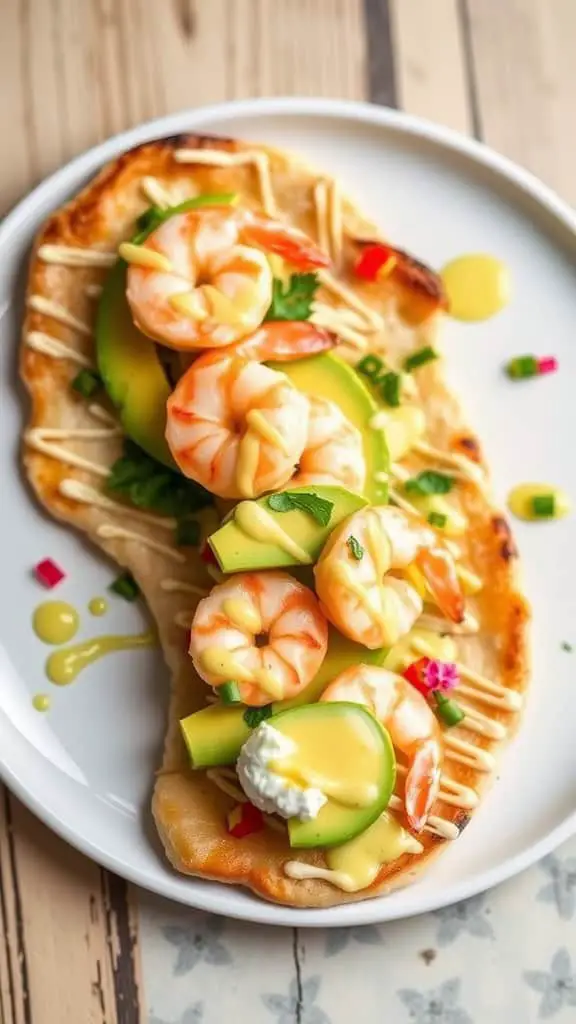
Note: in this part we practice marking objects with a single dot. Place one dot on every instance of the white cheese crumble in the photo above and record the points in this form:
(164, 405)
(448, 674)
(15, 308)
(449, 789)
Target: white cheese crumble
(267, 790)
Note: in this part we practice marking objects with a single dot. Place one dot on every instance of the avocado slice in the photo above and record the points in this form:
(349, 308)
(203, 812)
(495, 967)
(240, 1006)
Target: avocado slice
(342, 739)
(238, 549)
(131, 370)
(214, 735)
(328, 376)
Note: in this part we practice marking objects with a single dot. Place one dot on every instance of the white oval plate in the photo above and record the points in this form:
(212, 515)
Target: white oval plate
(87, 767)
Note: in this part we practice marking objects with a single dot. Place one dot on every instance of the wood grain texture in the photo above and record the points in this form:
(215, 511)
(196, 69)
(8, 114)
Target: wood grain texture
(77, 71)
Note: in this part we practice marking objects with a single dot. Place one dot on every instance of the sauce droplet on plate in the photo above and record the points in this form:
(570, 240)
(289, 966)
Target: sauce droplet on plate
(55, 622)
(41, 702)
(98, 606)
(64, 665)
(477, 286)
(535, 502)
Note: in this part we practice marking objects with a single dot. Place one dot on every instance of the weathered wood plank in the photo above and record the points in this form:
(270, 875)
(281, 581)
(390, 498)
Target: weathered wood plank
(430, 60)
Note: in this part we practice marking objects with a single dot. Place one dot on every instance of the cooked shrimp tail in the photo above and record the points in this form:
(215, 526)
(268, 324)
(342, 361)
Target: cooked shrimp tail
(288, 242)
(422, 783)
(437, 567)
(281, 342)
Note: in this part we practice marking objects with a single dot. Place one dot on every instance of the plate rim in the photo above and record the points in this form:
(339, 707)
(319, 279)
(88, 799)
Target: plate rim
(190, 119)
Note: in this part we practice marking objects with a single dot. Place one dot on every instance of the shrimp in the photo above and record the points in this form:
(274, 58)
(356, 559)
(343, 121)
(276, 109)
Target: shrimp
(412, 725)
(333, 453)
(265, 631)
(236, 426)
(357, 593)
(216, 283)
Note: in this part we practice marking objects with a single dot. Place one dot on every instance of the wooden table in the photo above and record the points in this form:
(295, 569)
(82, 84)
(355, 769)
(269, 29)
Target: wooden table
(77, 71)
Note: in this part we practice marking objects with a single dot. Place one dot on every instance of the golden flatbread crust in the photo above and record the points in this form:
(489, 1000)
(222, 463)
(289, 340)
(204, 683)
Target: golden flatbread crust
(189, 810)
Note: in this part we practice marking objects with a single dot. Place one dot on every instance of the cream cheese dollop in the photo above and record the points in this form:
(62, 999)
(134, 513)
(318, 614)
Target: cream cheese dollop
(267, 790)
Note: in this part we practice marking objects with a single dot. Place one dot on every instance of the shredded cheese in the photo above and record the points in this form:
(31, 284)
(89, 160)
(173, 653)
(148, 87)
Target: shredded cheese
(57, 312)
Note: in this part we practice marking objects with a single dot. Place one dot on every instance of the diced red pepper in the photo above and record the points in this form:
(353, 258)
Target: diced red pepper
(373, 260)
(48, 573)
(208, 556)
(416, 675)
(244, 819)
(547, 364)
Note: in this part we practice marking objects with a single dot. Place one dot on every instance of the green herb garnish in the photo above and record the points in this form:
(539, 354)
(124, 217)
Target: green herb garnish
(355, 548)
(254, 716)
(420, 357)
(370, 366)
(522, 366)
(87, 383)
(544, 506)
(390, 385)
(125, 586)
(146, 483)
(154, 215)
(229, 692)
(566, 647)
(187, 533)
(438, 519)
(448, 710)
(294, 300)
(286, 501)
(430, 481)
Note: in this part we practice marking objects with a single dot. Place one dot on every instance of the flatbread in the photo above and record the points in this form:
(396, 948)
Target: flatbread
(188, 807)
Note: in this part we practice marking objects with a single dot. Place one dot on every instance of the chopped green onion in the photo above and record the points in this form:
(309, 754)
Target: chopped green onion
(566, 647)
(522, 366)
(429, 481)
(229, 693)
(254, 716)
(87, 383)
(438, 519)
(448, 710)
(419, 358)
(319, 508)
(390, 388)
(187, 533)
(125, 586)
(370, 366)
(544, 505)
(355, 548)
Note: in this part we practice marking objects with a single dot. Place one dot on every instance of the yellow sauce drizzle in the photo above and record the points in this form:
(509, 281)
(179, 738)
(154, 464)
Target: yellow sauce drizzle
(520, 501)
(187, 304)
(261, 525)
(220, 662)
(98, 606)
(242, 614)
(142, 256)
(64, 666)
(477, 286)
(268, 682)
(55, 622)
(356, 794)
(41, 702)
(403, 654)
(260, 425)
(355, 865)
(247, 465)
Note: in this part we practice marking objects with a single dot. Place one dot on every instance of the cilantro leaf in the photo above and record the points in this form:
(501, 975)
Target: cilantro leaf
(147, 484)
(254, 716)
(293, 301)
(355, 548)
(319, 508)
(429, 482)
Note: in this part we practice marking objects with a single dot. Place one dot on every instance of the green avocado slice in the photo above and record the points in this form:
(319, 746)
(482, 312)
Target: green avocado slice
(328, 376)
(337, 822)
(238, 550)
(214, 735)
